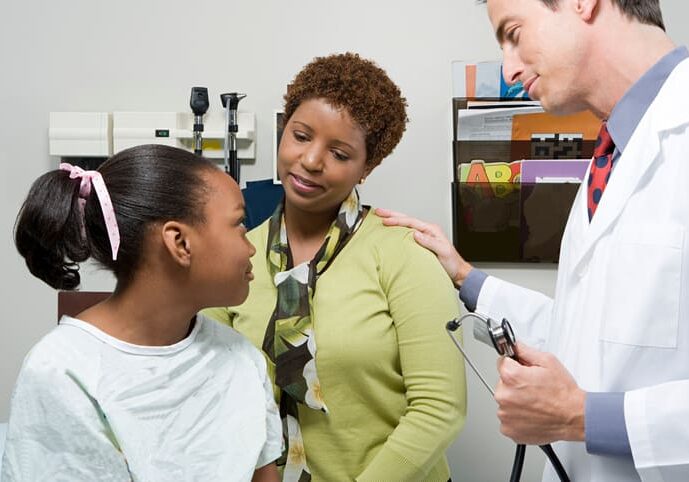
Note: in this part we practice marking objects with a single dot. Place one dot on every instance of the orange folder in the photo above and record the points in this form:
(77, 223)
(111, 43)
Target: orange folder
(470, 70)
(525, 125)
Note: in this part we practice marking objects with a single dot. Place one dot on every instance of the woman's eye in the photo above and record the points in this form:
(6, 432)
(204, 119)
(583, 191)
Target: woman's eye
(300, 137)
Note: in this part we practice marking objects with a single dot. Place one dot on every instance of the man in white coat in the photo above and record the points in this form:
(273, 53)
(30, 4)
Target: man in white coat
(610, 378)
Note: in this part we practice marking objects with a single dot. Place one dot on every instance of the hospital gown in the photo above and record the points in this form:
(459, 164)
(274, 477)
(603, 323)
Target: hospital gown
(89, 407)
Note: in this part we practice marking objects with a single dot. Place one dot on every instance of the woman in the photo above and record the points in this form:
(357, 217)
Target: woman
(350, 314)
(139, 387)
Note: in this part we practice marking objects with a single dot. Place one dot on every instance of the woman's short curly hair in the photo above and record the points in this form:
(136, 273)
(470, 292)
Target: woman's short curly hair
(363, 89)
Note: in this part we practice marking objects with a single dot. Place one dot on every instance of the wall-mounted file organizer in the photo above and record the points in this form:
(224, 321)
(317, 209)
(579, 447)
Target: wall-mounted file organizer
(516, 172)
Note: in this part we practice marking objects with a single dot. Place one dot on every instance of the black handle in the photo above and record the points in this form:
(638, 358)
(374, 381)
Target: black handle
(199, 100)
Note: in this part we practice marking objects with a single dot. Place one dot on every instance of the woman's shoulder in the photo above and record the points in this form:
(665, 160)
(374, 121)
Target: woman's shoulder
(259, 238)
(402, 258)
(388, 239)
(259, 234)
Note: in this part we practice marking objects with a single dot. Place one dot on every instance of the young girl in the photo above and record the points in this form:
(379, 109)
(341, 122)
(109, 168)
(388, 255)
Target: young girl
(140, 387)
(350, 313)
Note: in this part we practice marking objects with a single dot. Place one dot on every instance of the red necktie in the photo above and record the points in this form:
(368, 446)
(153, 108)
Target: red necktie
(601, 165)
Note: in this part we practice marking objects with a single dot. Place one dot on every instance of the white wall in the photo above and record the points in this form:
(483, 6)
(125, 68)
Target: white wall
(83, 55)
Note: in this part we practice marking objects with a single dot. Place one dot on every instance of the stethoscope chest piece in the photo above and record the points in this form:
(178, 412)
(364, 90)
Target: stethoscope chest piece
(503, 338)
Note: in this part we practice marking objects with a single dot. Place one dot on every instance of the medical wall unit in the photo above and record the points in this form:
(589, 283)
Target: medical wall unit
(516, 168)
(80, 134)
(90, 137)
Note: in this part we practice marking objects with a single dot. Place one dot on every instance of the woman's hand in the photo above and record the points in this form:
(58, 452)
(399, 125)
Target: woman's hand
(431, 237)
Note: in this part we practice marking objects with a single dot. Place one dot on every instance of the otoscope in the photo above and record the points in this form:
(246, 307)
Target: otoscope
(199, 105)
(230, 102)
(501, 337)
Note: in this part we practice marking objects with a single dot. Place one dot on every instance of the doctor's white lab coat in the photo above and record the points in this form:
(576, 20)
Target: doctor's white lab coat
(620, 318)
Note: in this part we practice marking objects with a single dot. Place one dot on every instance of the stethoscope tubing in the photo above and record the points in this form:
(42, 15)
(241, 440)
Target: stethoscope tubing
(518, 463)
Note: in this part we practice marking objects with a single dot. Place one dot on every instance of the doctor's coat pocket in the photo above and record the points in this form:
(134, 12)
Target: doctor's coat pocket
(642, 288)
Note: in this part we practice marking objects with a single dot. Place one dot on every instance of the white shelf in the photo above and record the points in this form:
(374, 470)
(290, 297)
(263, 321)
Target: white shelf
(101, 134)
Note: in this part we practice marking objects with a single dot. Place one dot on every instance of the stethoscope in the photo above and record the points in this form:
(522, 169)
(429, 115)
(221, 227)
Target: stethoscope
(501, 336)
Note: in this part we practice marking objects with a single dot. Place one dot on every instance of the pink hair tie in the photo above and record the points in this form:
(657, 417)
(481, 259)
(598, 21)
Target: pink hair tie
(94, 178)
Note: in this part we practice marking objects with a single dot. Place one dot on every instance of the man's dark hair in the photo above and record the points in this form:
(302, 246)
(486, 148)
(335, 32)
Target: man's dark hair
(645, 11)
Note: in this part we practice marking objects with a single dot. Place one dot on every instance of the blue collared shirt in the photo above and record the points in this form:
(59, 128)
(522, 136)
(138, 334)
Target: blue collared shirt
(605, 427)
(627, 113)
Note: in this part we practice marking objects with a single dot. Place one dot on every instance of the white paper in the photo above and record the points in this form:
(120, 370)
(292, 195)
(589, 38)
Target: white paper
(488, 124)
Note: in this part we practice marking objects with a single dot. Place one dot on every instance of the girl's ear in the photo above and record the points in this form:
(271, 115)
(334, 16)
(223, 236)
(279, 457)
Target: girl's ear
(177, 242)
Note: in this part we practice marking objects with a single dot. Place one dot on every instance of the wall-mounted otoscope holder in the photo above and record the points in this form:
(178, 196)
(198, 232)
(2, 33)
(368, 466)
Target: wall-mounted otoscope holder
(199, 104)
(230, 102)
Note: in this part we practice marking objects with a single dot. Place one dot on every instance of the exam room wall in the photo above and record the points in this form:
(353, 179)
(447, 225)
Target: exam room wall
(80, 55)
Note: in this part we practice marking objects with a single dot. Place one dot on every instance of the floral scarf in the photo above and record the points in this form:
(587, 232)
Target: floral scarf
(289, 340)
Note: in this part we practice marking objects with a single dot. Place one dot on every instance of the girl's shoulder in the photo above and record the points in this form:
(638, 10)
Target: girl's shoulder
(226, 337)
(63, 354)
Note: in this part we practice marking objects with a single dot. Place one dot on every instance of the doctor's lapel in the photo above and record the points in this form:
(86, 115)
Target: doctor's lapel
(641, 154)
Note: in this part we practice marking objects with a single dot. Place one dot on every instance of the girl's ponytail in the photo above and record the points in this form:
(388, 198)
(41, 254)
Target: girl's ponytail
(48, 232)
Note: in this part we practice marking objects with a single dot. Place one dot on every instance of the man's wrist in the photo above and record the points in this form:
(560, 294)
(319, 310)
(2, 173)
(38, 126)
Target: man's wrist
(470, 288)
(462, 274)
(576, 425)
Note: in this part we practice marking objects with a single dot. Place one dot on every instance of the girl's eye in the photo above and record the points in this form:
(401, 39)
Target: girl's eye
(340, 156)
